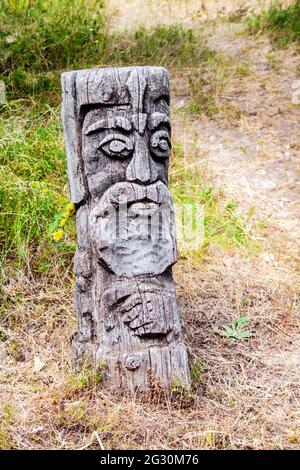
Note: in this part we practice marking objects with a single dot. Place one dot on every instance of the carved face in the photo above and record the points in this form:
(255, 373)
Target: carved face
(120, 146)
(125, 148)
(127, 142)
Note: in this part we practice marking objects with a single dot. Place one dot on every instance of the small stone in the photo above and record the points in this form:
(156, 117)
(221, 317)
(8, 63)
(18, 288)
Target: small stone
(296, 85)
(296, 97)
(2, 92)
(3, 355)
(264, 67)
(273, 111)
(268, 257)
(37, 430)
(251, 110)
(38, 364)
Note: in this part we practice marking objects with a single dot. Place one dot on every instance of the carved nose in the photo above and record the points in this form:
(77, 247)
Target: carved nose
(142, 168)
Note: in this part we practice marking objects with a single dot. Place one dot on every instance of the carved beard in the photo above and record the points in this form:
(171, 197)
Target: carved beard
(133, 229)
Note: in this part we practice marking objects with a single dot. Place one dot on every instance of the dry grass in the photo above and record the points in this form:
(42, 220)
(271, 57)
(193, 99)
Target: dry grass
(246, 394)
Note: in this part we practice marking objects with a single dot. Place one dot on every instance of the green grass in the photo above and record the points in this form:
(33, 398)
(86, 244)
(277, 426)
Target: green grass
(282, 24)
(206, 85)
(172, 46)
(38, 40)
(222, 224)
(33, 191)
(38, 37)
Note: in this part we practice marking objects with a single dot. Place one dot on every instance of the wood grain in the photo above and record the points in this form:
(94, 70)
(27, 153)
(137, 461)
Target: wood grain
(118, 138)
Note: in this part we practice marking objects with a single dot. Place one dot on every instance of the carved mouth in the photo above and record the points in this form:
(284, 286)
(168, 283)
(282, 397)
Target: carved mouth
(129, 193)
(142, 200)
(144, 208)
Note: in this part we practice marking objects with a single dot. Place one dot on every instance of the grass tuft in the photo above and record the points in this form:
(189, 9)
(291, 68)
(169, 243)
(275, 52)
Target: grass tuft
(40, 36)
(207, 84)
(281, 23)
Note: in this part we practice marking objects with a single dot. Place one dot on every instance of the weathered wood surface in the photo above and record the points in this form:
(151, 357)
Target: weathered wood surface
(117, 136)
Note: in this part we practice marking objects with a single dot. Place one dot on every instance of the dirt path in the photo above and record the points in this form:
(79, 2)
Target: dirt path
(131, 14)
(254, 158)
(259, 160)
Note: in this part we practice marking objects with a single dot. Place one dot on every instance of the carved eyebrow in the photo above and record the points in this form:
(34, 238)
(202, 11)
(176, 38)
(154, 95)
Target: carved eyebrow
(119, 122)
(158, 118)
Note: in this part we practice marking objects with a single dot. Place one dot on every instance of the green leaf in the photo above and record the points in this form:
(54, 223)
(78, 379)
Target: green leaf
(237, 329)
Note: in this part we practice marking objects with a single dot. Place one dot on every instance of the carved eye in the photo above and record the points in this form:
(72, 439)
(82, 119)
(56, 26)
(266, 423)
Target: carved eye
(116, 146)
(160, 143)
